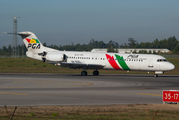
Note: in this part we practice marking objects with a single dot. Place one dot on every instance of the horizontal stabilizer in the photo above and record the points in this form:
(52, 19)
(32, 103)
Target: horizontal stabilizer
(20, 33)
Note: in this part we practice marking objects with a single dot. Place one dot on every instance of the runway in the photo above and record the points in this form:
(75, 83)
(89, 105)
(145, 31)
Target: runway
(73, 89)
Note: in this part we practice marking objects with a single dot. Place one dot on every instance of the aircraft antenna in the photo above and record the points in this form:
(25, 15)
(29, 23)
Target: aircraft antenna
(15, 50)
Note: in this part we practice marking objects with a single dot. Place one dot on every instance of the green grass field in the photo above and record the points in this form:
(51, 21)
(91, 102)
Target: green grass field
(28, 65)
(108, 112)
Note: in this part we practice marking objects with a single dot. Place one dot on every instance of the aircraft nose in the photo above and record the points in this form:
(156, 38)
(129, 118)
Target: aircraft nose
(171, 66)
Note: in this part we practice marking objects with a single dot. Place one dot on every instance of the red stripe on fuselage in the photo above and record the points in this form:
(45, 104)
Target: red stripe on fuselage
(112, 62)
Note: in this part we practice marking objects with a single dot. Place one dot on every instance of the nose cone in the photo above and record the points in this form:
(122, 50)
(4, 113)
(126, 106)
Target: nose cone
(171, 66)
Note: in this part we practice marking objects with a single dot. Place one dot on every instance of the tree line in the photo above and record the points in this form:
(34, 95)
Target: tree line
(171, 43)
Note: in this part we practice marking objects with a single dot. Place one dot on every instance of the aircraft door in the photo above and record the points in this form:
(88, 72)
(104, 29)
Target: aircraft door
(150, 63)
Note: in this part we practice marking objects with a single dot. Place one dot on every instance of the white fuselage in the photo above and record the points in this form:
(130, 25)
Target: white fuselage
(137, 62)
(141, 62)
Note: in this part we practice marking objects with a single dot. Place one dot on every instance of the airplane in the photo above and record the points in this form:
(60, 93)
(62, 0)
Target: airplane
(90, 60)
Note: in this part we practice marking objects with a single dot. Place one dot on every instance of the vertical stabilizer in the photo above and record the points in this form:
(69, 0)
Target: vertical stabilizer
(35, 49)
(31, 42)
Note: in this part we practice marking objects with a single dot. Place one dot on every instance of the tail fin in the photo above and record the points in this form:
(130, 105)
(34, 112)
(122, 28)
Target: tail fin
(31, 42)
(35, 49)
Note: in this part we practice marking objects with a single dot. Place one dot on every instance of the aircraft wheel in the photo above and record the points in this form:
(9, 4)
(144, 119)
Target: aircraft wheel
(84, 73)
(96, 73)
(155, 75)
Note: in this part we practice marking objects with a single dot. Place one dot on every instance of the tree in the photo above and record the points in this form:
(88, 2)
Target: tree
(176, 49)
(150, 52)
(134, 51)
(154, 52)
(111, 46)
(172, 42)
(44, 44)
(140, 51)
(132, 43)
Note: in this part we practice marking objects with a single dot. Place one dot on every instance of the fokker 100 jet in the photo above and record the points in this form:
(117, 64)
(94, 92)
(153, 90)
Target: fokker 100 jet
(96, 61)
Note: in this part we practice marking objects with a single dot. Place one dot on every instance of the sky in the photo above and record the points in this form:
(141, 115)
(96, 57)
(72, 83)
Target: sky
(63, 22)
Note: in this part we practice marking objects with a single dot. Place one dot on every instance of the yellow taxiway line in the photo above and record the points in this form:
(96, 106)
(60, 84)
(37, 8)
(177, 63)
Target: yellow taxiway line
(149, 94)
(13, 93)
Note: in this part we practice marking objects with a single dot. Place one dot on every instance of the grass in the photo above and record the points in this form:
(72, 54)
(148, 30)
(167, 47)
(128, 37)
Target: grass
(54, 114)
(28, 65)
(110, 112)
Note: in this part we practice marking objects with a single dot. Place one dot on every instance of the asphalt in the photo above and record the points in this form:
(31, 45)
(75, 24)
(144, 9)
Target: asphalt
(73, 89)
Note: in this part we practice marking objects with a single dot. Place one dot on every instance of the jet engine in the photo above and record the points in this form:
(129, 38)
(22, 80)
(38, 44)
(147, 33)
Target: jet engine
(55, 57)
(52, 57)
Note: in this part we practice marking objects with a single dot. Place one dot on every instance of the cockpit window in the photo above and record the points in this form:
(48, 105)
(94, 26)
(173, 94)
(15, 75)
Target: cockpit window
(161, 60)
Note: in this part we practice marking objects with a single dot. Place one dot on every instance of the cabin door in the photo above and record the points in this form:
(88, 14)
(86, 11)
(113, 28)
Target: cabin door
(150, 63)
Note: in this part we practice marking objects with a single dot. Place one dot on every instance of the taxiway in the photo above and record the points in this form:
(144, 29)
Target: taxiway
(72, 89)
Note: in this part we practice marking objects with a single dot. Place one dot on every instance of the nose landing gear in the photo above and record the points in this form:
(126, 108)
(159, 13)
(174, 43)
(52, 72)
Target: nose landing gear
(155, 75)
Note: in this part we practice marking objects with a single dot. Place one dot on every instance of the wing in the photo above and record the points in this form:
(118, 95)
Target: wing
(82, 65)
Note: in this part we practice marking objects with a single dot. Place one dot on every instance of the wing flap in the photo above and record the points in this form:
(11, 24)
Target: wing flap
(82, 65)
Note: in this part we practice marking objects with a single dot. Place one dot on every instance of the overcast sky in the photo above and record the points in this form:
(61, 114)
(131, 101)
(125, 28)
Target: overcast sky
(78, 21)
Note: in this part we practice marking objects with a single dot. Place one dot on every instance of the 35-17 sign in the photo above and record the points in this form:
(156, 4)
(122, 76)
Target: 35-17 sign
(170, 96)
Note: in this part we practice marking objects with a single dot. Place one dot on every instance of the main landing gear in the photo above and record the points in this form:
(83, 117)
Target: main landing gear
(84, 73)
(155, 75)
(95, 73)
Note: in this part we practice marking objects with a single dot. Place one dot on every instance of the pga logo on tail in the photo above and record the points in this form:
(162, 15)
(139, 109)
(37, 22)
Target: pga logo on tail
(33, 43)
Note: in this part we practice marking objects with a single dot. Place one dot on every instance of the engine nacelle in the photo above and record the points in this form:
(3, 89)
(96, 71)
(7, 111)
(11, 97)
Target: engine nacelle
(55, 57)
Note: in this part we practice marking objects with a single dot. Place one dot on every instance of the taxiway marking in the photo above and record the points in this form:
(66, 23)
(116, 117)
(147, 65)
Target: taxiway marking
(13, 93)
(149, 94)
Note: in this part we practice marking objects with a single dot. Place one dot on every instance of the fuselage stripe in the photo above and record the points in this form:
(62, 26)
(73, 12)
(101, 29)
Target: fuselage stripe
(122, 62)
(112, 62)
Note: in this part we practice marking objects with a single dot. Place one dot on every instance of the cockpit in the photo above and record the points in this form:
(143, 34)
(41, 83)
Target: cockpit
(161, 60)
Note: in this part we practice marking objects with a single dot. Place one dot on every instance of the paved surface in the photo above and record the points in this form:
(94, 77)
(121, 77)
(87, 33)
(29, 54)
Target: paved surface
(72, 89)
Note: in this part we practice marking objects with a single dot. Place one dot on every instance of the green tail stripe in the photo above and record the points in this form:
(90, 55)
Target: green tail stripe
(122, 62)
